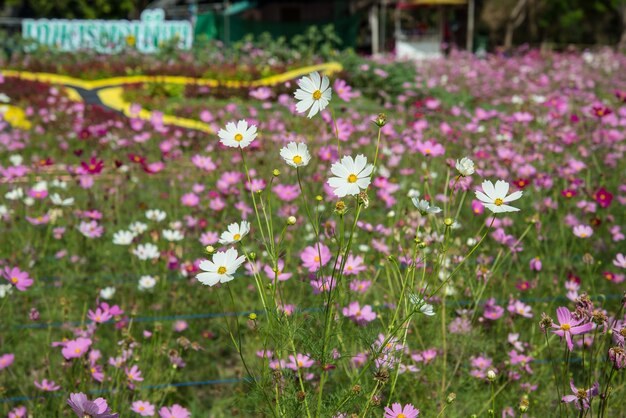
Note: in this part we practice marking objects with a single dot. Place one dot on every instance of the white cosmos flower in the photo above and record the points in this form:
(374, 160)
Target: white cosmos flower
(59, 201)
(352, 175)
(237, 135)
(156, 215)
(146, 251)
(5, 289)
(16, 159)
(59, 183)
(221, 269)
(138, 228)
(15, 194)
(314, 94)
(295, 155)
(424, 206)
(465, 166)
(146, 282)
(495, 197)
(107, 293)
(123, 237)
(425, 308)
(235, 233)
(173, 235)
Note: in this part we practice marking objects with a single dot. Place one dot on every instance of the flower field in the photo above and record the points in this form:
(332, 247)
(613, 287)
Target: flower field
(442, 239)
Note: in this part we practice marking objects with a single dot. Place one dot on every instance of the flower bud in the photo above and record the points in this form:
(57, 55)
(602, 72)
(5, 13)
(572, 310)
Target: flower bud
(276, 172)
(491, 375)
(448, 221)
(210, 249)
(252, 316)
(291, 220)
(381, 120)
(523, 405)
(252, 256)
(340, 207)
(451, 398)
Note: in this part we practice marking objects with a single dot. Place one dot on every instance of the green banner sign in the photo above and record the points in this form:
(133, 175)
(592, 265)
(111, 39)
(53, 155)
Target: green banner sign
(110, 36)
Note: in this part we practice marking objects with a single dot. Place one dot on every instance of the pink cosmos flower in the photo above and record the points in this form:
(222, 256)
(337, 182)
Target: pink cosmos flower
(133, 374)
(190, 199)
(359, 315)
(430, 148)
(83, 407)
(143, 408)
(6, 360)
(519, 308)
(583, 231)
(535, 264)
(398, 411)
(581, 397)
(300, 361)
(603, 197)
(282, 276)
(354, 265)
(360, 286)
(91, 229)
(17, 278)
(18, 412)
(569, 326)
(344, 91)
(311, 259)
(47, 385)
(76, 348)
(99, 316)
(175, 411)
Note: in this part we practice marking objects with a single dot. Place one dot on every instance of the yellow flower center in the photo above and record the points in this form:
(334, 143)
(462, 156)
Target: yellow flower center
(566, 327)
(583, 235)
(238, 137)
(141, 408)
(317, 259)
(297, 159)
(221, 270)
(358, 313)
(427, 151)
(498, 202)
(237, 237)
(92, 167)
(77, 351)
(317, 94)
(352, 178)
(401, 415)
(14, 280)
(300, 364)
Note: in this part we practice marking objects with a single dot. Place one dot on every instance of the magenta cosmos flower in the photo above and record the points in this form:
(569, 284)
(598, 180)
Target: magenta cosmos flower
(569, 326)
(84, 408)
(175, 411)
(17, 278)
(397, 411)
(18, 412)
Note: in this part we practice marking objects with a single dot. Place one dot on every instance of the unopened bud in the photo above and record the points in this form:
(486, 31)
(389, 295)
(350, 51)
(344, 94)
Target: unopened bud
(252, 256)
(291, 220)
(276, 172)
(451, 398)
(491, 375)
(319, 198)
(381, 120)
(448, 221)
(210, 249)
(340, 207)
(523, 405)
(252, 316)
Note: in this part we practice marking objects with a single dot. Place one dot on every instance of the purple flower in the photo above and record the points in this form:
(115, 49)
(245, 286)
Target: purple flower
(569, 326)
(18, 278)
(581, 396)
(83, 407)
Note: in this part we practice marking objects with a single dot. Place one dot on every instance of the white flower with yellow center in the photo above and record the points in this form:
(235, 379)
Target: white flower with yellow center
(353, 175)
(235, 233)
(295, 155)
(495, 197)
(314, 94)
(238, 135)
(221, 268)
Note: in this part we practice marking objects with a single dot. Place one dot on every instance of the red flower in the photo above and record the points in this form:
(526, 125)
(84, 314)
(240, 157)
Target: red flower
(603, 197)
(568, 193)
(601, 111)
(94, 166)
(521, 183)
(134, 158)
